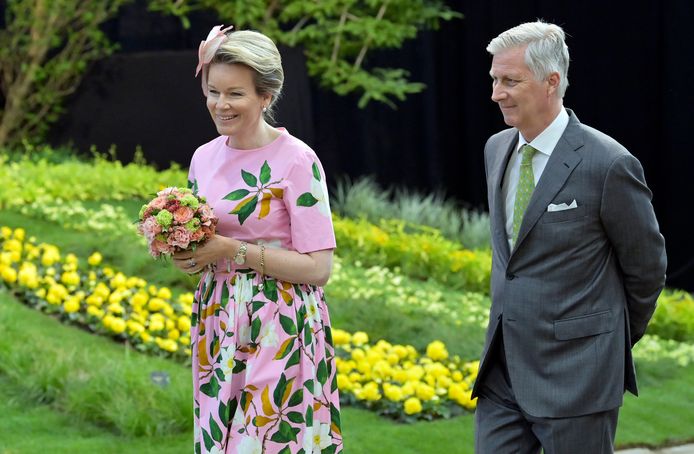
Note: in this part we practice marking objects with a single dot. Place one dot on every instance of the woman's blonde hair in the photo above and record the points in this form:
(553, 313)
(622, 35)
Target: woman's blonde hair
(258, 52)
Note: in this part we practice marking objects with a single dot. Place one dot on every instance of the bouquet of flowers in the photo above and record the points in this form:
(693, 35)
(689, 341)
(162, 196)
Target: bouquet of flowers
(176, 220)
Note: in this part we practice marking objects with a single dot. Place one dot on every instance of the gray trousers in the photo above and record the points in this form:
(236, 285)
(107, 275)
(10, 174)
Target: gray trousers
(502, 427)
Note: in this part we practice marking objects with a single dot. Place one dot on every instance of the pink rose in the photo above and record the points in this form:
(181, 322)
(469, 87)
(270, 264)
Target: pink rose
(197, 236)
(156, 248)
(183, 215)
(180, 237)
(150, 228)
(158, 203)
(206, 214)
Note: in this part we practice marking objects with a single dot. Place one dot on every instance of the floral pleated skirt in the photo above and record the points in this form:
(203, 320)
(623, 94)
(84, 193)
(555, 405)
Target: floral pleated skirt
(264, 377)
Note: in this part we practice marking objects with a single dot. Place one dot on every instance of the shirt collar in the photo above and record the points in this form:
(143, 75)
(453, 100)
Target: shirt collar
(548, 139)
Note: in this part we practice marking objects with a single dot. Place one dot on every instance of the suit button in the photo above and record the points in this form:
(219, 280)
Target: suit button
(510, 276)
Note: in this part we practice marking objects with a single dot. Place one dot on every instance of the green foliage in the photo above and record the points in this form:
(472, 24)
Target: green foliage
(28, 180)
(674, 316)
(389, 305)
(421, 252)
(45, 49)
(363, 198)
(336, 36)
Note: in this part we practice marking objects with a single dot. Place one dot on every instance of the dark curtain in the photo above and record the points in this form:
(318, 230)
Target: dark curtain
(629, 77)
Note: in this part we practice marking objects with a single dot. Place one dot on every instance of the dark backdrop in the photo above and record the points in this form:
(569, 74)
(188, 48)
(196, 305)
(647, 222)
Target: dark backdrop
(630, 77)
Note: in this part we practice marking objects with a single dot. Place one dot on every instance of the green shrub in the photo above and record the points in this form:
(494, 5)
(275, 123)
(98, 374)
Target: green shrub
(363, 198)
(674, 316)
(26, 181)
(420, 252)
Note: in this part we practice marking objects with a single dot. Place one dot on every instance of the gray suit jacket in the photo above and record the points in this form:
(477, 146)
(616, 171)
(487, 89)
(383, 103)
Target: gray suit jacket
(580, 285)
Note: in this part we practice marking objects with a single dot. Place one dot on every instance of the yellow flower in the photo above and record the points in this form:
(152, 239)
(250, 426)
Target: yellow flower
(360, 338)
(108, 272)
(343, 382)
(413, 406)
(392, 392)
(102, 290)
(358, 354)
(28, 275)
(12, 246)
(56, 294)
(164, 293)
(94, 311)
(174, 334)
(183, 323)
(95, 259)
(156, 324)
(166, 344)
(134, 327)
(19, 234)
(71, 305)
(425, 392)
(370, 392)
(117, 325)
(9, 274)
(139, 299)
(95, 300)
(437, 351)
(71, 259)
(119, 280)
(156, 304)
(70, 278)
(341, 337)
(186, 298)
(5, 232)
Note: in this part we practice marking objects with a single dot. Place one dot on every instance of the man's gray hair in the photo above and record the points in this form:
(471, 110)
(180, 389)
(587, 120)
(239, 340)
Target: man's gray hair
(546, 52)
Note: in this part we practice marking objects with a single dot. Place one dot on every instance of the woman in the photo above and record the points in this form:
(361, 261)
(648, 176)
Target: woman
(263, 360)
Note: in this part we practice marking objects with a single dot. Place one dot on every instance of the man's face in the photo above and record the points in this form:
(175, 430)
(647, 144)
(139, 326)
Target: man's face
(524, 101)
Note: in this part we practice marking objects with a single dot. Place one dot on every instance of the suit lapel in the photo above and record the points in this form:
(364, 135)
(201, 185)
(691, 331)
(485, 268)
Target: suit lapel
(562, 162)
(499, 203)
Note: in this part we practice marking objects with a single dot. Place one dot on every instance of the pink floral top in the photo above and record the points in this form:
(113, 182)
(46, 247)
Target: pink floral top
(274, 195)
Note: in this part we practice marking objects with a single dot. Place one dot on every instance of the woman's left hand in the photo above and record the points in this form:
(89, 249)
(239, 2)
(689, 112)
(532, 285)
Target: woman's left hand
(192, 262)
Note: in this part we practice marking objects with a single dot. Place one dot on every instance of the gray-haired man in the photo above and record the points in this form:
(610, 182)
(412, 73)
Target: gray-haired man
(578, 262)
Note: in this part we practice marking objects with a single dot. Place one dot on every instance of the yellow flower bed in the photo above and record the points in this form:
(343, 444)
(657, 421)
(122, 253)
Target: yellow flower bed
(107, 302)
(394, 380)
(420, 251)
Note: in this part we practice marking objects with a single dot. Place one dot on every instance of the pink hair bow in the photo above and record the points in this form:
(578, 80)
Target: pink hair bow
(207, 50)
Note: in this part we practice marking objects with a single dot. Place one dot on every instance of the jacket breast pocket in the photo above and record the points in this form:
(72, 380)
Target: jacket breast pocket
(572, 214)
(584, 325)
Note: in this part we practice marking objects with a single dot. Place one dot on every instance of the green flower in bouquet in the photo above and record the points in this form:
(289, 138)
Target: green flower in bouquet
(164, 219)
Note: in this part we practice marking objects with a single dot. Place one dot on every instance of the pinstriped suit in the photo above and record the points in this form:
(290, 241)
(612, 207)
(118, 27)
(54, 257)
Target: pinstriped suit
(580, 285)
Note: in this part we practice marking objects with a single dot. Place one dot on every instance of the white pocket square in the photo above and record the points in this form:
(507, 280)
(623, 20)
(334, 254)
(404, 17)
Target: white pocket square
(562, 206)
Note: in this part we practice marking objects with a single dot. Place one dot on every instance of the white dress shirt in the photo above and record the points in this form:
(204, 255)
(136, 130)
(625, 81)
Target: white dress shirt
(544, 144)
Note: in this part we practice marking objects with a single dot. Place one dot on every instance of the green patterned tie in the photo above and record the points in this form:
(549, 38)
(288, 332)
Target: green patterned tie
(526, 185)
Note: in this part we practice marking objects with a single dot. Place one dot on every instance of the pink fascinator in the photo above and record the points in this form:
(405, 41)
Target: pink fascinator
(207, 50)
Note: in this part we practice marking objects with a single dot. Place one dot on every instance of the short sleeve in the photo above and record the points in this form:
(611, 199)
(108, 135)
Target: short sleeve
(307, 203)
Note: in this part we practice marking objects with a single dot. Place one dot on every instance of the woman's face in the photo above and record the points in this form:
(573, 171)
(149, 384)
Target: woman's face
(232, 100)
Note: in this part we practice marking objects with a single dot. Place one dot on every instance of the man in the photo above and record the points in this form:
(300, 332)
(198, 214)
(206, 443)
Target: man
(578, 262)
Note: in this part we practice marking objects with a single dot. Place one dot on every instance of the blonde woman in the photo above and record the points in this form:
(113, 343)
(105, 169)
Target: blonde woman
(263, 360)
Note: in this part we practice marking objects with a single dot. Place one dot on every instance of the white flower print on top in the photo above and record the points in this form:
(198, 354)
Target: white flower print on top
(250, 445)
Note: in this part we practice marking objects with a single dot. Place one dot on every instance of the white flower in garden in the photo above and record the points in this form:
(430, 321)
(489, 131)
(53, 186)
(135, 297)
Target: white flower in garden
(320, 192)
(250, 445)
(268, 335)
(227, 362)
(312, 309)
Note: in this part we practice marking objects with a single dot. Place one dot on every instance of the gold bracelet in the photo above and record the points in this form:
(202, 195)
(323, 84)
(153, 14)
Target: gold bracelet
(262, 267)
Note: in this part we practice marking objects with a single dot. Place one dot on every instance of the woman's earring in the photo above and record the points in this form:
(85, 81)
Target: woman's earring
(264, 109)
